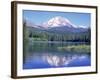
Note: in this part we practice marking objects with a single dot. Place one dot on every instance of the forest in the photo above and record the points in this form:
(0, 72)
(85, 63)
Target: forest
(43, 35)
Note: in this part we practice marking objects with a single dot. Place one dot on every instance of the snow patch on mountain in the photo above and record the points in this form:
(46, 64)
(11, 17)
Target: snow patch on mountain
(82, 26)
(58, 22)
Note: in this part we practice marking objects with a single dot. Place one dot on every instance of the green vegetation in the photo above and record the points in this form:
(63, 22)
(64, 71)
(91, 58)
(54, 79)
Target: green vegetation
(47, 35)
(42, 35)
(76, 48)
(25, 37)
(31, 34)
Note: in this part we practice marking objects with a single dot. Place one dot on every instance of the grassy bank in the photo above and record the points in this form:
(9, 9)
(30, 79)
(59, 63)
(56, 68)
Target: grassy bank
(75, 48)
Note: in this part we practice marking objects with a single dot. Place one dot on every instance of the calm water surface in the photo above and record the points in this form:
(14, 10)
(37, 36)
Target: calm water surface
(41, 54)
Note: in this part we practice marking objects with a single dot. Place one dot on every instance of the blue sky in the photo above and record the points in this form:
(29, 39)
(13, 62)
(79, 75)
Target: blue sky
(38, 17)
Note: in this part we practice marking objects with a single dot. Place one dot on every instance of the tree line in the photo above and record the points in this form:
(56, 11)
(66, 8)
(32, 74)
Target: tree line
(53, 36)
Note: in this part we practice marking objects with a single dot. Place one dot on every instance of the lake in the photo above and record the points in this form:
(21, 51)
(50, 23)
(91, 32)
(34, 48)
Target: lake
(46, 54)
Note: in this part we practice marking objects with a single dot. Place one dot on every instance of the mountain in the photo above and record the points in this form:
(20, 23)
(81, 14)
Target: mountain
(58, 24)
(58, 21)
(58, 29)
(61, 24)
(33, 25)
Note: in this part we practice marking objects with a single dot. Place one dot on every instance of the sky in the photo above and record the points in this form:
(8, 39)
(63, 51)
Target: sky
(39, 17)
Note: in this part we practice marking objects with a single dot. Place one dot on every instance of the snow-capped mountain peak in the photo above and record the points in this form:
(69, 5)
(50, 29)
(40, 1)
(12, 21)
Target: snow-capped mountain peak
(58, 22)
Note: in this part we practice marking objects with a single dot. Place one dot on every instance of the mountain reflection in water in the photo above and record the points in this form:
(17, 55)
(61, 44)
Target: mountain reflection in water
(55, 60)
(48, 60)
(41, 54)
